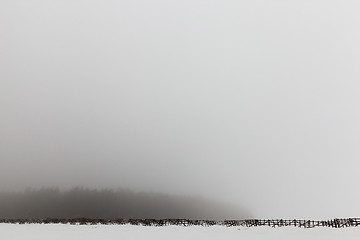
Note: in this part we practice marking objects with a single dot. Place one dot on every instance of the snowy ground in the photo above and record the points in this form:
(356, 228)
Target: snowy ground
(109, 232)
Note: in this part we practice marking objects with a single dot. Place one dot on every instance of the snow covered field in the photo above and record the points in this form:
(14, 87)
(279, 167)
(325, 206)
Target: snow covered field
(109, 232)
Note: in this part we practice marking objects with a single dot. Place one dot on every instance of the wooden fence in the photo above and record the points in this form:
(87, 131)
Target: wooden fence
(334, 223)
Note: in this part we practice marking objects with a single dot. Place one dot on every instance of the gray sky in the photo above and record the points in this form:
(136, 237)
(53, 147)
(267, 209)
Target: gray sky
(250, 102)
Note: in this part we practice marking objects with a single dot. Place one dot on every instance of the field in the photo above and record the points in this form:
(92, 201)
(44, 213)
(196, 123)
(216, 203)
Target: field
(109, 232)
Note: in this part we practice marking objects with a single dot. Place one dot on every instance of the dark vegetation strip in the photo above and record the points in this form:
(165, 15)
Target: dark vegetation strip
(111, 204)
(335, 223)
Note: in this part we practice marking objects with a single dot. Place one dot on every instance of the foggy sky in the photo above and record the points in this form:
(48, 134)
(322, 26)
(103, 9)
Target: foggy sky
(250, 102)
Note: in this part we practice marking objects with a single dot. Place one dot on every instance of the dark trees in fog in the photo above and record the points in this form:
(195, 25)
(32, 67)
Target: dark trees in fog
(80, 202)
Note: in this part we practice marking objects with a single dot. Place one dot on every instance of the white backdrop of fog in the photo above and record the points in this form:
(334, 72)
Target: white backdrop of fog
(250, 102)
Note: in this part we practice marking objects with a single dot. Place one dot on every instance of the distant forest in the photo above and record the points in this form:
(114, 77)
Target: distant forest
(86, 203)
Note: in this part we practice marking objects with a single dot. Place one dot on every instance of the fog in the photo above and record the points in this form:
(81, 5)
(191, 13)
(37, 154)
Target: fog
(251, 103)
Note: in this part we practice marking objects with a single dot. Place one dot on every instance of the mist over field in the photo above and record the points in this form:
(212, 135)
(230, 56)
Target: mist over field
(249, 103)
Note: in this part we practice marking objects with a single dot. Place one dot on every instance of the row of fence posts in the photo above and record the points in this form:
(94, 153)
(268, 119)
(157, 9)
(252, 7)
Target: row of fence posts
(335, 223)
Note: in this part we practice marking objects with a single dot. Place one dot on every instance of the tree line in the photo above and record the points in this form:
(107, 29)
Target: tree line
(110, 204)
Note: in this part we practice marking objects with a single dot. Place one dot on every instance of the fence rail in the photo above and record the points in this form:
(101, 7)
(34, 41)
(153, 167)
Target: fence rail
(334, 223)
